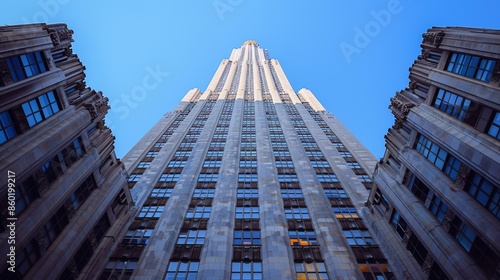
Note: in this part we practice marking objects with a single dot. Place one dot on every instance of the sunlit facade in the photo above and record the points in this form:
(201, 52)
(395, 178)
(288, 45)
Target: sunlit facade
(248, 180)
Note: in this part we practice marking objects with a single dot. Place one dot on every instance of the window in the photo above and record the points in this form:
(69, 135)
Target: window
(247, 212)
(471, 66)
(205, 193)
(248, 154)
(119, 269)
(345, 212)
(311, 271)
(7, 130)
(493, 130)
(291, 193)
(484, 192)
(246, 270)
(438, 208)
(151, 211)
(26, 65)
(152, 154)
(345, 154)
(364, 178)
(144, 164)
(182, 270)
(26, 258)
(191, 237)
(181, 153)
(335, 193)
(297, 213)
(439, 157)
(356, 237)
(215, 154)
(284, 164)
(285, 178)
(26, 193)
(208, 177)
(302, 238)
(51, 230)
(320, 164)
(161, 192)
(247, 193)
(327, 178)
(399, 224)
(354, 165)
(199, 212)
(248, 164)
(134, 177)
(83, 192)
(212, 163)
(281, 153)
(246, 237)
(452, 104)
(169, 177)
(176, 163)
(247, 177)
(419, 189)
(138, 236)
(38, 109)
(159, 144)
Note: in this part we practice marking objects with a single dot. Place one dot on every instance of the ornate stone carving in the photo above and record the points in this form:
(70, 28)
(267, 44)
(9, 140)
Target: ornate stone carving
(40, 181)
(59, 34)
(428, 262)
(433, 38)
(93, 240)
(448, 219)
(97, 106)
(463, 172)
(71, 212)
(407, 236)
(400, 107)
(68, 51)
(42, 241)
(425, 54)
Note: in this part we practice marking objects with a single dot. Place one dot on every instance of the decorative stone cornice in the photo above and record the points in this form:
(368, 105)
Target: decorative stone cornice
(448, 218)
(463, 173)
(400, 106)
(60, 35)
(97, 106)
(433, 38)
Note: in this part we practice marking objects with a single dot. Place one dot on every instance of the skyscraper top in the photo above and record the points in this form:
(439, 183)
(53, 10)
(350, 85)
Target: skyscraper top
(251, 42)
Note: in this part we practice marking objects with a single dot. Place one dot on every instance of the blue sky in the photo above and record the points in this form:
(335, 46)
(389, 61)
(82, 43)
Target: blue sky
(145, 56)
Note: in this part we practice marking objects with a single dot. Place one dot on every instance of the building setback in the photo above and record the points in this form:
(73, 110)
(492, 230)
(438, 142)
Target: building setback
(248, 180)
(436, 195)
(57, 160)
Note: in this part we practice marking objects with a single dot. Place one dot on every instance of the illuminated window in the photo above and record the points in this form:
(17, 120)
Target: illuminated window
(302, 238)
(311, 271)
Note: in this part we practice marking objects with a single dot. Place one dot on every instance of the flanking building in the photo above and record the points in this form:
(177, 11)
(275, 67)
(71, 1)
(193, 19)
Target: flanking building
(436, 195)
(57, 162)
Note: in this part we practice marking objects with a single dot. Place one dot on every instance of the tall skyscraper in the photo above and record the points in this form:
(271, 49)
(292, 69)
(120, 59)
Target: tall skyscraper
(247, 180)
(436, 200)
(61, 186)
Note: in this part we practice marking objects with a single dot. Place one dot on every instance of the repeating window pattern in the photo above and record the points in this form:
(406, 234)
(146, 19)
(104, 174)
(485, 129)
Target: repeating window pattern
(471, 66)
(356, 237)
(138, 236)
(151, 211)
(327, 178)
(247, 212)
(204, 193)
(119, 269)
(452, 104)
(247, 193)
(169, 177)
(191, 237)
(182, 270)
(484, 192)
(311, 271)
(297, 213)
(285, 178)
(144, 164)
(246, 238)
(439, 157)
(176, 163)
(291, 193)
(199, 212)
(302, 238)
(208, 177)
(494, 129)
(248, 177)
(161, 192)
(134, 177)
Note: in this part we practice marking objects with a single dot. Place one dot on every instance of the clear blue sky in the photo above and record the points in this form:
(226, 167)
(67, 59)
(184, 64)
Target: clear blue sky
(318, 43)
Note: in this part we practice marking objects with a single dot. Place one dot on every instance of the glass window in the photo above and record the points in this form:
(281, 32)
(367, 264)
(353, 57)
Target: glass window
(177, 163)
(297, 213)
(208, 177)
(345, 212)
(287, 178)
(191, 237)
(26, 65)
(134, 177)
(452, 104)
(144, 164)
(471, 66)
(212, 163)
(138, 236)
(7, 130)
(119, 269)
(439, 157)
(161, 192)
(327, 178)
(291, 193)
(246, 237)
(205, 193)
(246, 271)
(38, 109)
(247, 212)
(438, 208)
(199, 212)
(484, 192)
(182, 270)
(151, 154)
(247, 193)
(169, 177)
(356, 237)
(335, 193)
(311, 271)
(248, 177)
(493, 130)
(364, 178)
(151, 211)
(302, 238)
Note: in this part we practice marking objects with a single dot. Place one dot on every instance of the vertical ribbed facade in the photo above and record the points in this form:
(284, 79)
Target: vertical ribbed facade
(436, 200)
(61, 185)
(248, 180)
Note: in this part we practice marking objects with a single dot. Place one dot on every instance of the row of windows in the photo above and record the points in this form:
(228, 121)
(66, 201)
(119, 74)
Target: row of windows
(23, 66)
(471, 66)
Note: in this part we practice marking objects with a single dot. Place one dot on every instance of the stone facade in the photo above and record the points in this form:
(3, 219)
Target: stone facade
(436, 200)
(69, 187)
(248, 179)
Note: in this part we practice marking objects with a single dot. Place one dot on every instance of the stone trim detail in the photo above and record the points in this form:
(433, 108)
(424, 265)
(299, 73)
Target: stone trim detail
(433, 38)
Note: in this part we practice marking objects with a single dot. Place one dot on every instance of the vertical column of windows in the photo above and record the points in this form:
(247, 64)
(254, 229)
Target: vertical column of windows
(223, 77)
(246, 262)
(309, 263)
